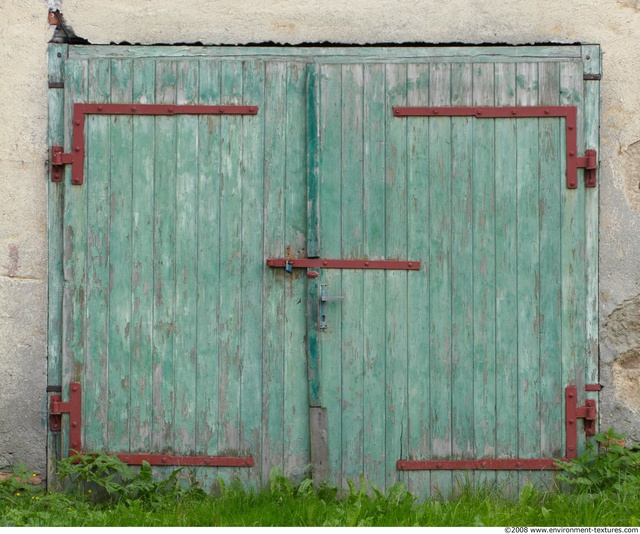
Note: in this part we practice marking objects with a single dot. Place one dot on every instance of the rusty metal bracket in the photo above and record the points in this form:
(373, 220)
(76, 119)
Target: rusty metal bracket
(322, 263)
(573, 412)
(74, 408)
(76, 157)
(569, 113)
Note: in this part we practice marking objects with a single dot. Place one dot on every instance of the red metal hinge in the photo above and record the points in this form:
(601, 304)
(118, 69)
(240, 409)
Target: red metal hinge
(573, 412)
(74, 409)
(76, 157)
(569, 113)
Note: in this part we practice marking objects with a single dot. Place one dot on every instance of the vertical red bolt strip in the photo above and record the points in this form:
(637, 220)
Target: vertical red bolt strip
(75, 418)
(571, 421)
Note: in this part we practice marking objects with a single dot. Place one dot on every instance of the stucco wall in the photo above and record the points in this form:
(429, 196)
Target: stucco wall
(24, 32)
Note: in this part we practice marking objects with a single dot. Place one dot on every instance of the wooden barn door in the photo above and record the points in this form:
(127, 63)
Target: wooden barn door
(466, 359)
(182, 170)
(192, 172)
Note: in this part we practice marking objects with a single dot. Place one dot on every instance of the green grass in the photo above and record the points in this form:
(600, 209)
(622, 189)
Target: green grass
(597, 489)
(286, 505)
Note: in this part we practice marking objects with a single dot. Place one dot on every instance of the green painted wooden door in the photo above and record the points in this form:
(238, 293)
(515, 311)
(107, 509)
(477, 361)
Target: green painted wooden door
(467, 358)
(186, 343)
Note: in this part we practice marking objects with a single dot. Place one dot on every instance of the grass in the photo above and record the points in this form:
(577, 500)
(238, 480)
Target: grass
(595, 490)
(284, 504)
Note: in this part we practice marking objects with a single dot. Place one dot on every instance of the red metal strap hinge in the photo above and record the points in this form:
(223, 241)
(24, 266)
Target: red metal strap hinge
(80, 111)
(74, 408)
(569, 113)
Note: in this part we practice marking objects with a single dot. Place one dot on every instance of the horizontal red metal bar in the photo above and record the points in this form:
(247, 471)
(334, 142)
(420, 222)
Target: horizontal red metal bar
(161, 109)
(481, 112)
(166, 459)
(321, 263)
(593, 387)
(484, 112)
(492, 464)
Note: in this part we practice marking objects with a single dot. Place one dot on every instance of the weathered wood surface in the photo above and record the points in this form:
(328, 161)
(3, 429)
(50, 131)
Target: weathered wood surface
(186, 343)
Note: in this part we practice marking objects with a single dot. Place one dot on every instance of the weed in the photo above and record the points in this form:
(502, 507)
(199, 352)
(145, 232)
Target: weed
(611, 467)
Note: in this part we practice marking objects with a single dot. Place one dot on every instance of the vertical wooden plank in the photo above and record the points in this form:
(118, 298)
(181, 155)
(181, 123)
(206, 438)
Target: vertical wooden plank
(185, 347)
(551, 152)
(462, 264)
(484, 271)
(506, 276)
(296, 393)
(440, 275)
(573, 243)
(142, 246)
(231, 313)
(208, 268)
(98, 155)
(164, 275)
(313, 161)
(528, 270)
(330, 146)
(396, 281)
(591, 58)
(419, 482)
(56, 56)
(373, 244)
(352, 280)
(275, 107)
(119, 368)
(252, 166)
(74, 246)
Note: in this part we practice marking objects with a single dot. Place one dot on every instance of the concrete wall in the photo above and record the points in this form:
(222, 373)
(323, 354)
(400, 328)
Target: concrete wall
(24, 32)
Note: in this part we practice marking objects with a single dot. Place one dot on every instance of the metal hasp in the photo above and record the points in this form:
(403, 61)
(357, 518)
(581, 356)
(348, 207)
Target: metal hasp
(76, 157)
(324, 298)
(321, 263)
(587, 162)
(74, 409)
(573, 412)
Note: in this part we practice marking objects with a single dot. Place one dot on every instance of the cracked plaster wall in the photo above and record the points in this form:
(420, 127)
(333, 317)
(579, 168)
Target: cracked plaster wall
(24, 33)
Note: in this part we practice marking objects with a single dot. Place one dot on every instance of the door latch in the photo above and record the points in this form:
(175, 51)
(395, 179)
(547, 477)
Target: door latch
(324, 298)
